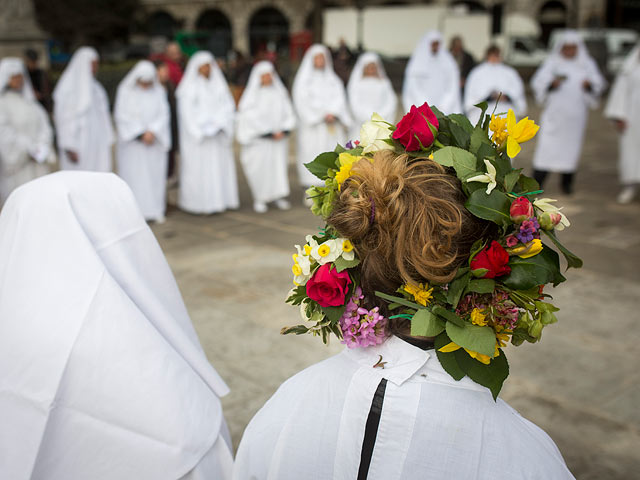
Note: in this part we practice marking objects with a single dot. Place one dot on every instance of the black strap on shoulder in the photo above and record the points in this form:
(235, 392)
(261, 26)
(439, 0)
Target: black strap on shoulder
(371, 430)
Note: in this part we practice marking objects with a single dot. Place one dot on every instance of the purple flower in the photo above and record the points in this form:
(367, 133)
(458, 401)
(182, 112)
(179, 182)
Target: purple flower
(361, 327)
(349, 145)
(511, 241)
(528, 230)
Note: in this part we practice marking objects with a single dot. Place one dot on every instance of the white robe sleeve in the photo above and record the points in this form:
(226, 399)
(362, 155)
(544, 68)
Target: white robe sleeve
(618, 104)
(541, 81)
(13, 143)
(42, 151)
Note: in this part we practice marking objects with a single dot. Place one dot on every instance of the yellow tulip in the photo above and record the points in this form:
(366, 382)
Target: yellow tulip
(528, 250)
(518, 133)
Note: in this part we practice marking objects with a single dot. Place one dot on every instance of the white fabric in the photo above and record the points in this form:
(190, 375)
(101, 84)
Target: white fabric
(102, 376)
(264, 110)
(624, 104)
(368, 95)
(206, 112)
(316, 94)
(432, 78)
(489, 78)
(81, 116)
(138, 110)
(431, 426)
(26, 136)
(565, 109)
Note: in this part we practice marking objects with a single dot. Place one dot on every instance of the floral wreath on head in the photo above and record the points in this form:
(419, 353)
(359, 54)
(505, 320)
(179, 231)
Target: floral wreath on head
(495, 298)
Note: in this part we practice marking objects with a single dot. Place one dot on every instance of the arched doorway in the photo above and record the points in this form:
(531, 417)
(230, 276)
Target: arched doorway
(268, 33)
(161, 24)
(553, 15)
(214, 29)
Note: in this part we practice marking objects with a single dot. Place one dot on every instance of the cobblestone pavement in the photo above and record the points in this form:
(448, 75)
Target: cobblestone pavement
(580, 384)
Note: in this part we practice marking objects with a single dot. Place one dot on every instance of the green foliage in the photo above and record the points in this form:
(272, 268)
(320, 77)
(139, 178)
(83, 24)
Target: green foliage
(449, 316)
(457, 286)
(399, 300)
(473, 337)
(572, 259)
(341, 264)
(491, 376)
(481, 285)
(298, 330)
(298, 294)
(426, 324)
(493, 207)
(322, 163)
(447, 360)
(530, 272)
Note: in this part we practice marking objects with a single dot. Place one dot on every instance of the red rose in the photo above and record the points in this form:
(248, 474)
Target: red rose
(493, 259)
(521, 210)
(327, 287)
(413, 130)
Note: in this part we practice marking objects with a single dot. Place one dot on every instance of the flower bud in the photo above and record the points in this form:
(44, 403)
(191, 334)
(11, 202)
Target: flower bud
(521, 210)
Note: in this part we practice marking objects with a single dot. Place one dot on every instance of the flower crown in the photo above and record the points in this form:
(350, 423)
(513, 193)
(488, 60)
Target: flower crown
(496, 298)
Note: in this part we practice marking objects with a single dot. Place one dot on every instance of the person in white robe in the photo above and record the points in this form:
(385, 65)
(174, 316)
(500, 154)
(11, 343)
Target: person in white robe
(566, 85)
(265, 120)
(432, 76)
(370, 91)
(320, 102)
(26, 136)
(81, 115)
(431, 427)
(103, 376)
(496, 83)
(206, 110)
(142, 119)
(623, 107)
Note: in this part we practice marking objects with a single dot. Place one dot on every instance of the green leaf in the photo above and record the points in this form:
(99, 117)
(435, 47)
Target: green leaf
(478, 139)
(321, 164)
(341, 264)
(510, 179)
(426, 324)
(473, 337)
(462, 161)
(333, 313)
(527, 184)
(447, 360)
(485, 151)
(460, 136)
(503, 167)
(449, 316)
(491, 376)
(494, 207)
(401, 301)
(456, 287)
(529, 272)
(298, 330)
(462, 121)
(444, 156)
(482, 285)
(572, 260)
(339, 149)
(483, 107)
(298, 294)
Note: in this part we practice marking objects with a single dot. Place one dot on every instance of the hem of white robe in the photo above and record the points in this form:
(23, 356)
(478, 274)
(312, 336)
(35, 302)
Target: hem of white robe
(207, 211)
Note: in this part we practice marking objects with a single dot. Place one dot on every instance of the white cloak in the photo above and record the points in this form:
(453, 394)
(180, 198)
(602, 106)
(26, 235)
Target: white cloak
(316, 94)
(81, 116)
(430, 78)
(206, 109)
(431, 427)
(264, 110)
(368, 95)
(565, 109)
(26, 137)
(489, 78)
(138, 110)
(103, 376)
(624, 104)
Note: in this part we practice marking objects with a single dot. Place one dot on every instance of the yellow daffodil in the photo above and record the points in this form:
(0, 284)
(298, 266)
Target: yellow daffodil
(528, 250)
(488, 178)
(346, 163)
(478, 317)
(421, 293)
(518, 133)
(498, 126)
(452, 347)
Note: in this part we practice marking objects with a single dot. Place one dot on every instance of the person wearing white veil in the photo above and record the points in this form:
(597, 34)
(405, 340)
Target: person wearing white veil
(142, 120)
(320, 102)
(103, 376)
(26, 136)
(432, 76)
(370, 91)
(81, 115)
(265, 119)
(566, 85)
(498, 84)
(206, 110)
(623, 107)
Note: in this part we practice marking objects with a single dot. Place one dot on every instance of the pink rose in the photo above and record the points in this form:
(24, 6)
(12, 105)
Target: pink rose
(327, 287)
(521, 210)
(413, 131)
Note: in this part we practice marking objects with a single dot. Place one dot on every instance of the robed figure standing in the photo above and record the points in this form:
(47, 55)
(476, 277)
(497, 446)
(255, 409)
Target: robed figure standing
(81, 115)
(142, 119)
(265, 119)
(206, 111)
(26, 136)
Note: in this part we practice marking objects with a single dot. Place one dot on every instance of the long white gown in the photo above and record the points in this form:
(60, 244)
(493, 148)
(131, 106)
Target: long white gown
(138, 110)
(565, 109)
(432, 78)
(316, 94)
(368, 95)
(624, 104)
(430, 427)
(103, 376)
(206, 110)
(489, 78)
(264, 110)
(26, 136)
(81, 116)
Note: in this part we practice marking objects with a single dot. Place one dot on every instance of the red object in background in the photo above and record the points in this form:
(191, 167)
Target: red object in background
(298, 44)
(175, 70)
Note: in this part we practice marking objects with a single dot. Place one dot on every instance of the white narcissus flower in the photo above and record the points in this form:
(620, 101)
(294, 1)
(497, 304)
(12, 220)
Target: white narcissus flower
(347, 249)
(489, 177)
(545, 205)
(374, 133)
(326, 252)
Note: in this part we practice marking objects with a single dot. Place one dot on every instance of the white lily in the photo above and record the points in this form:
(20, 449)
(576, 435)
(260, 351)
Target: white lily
(373, 134)
(489, 177)
(545, 205)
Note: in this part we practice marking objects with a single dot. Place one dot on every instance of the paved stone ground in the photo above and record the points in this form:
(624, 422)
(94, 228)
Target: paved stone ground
(580, 384)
